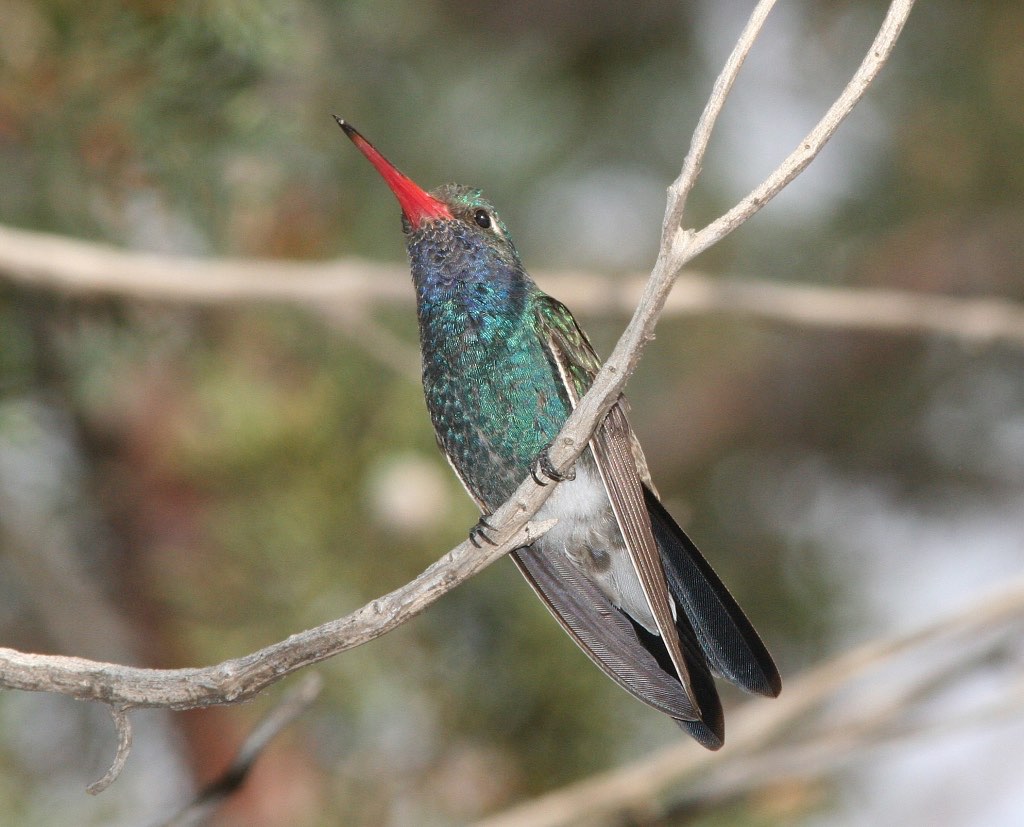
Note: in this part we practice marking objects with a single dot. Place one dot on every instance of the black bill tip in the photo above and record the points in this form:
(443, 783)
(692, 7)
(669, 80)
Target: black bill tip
(346, 127)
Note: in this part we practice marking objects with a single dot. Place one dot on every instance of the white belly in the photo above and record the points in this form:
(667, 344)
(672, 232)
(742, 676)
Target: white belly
(588, 535)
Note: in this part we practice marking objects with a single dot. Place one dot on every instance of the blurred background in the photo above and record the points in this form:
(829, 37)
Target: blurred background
(180, 485)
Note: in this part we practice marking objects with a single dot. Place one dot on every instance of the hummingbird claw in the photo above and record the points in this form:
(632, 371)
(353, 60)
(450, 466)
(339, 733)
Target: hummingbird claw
(542, 467)
(479, 532)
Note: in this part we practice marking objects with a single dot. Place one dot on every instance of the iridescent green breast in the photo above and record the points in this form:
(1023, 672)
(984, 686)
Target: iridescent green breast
(494, 397)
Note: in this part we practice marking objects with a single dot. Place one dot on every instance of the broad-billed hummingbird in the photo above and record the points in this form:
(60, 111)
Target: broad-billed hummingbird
(503, 365)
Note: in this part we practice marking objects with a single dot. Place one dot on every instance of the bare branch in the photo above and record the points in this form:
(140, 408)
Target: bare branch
(391, 350)
(679, 246)
(886, 720)
(982, 320)
(680, 190)
(128, 687)
(82, 268)
(293, 705)
(85, 268)
(834, 749)
(798, 160)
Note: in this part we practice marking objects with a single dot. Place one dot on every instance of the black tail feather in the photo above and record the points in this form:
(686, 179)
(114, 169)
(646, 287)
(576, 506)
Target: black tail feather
(732, 647)
(703, 734)
(710, 731)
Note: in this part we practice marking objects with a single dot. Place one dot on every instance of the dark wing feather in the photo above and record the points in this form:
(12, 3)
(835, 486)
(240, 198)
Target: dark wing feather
(602, 631)
(612, 448)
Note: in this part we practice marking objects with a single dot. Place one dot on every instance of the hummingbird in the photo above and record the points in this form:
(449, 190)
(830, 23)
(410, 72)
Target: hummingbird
(503, 366)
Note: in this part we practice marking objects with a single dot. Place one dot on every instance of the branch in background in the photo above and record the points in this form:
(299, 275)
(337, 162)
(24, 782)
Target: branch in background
(392, 351)
(640, 786)
(214, 794)
(88, 269)
(124, 688)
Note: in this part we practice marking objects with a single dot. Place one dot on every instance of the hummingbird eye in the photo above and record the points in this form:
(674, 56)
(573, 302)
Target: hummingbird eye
(482, 218)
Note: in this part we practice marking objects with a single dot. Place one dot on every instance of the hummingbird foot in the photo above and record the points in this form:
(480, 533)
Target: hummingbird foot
(542, 467)
(478, 532)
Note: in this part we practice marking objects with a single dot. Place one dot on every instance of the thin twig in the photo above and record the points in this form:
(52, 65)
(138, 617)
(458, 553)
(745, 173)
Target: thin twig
(826, 755)
(694, 161)
(123, 727)
(891, 717)
(390, 350)
(282, 715)
(798, 160)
